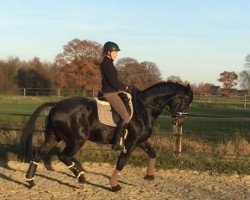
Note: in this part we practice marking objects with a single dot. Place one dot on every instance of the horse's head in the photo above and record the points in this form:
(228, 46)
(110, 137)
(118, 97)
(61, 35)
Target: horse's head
(157, 97)
(179, 103)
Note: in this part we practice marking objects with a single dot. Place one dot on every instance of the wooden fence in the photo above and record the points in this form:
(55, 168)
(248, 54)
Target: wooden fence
(204, 99)
(59, 92)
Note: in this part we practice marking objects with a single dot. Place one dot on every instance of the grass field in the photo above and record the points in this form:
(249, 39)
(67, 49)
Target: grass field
(215, 121)
(16, 109)
(216, 138)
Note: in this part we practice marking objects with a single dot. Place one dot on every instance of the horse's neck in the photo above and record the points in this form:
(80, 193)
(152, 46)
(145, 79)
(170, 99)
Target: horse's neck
(150, 106)
(157, 100)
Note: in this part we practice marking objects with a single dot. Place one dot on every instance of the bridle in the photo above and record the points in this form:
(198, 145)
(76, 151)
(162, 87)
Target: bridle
(173, 116)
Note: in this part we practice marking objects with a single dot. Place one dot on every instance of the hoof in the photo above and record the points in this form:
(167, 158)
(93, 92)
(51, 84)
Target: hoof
(49, 168)
(149, 177)
(81, 179)
(31, 184)
(116, 188)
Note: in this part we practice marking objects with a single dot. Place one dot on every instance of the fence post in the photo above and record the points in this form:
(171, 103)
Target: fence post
(205, 100)
(58, 92)
(177, 130)
(245, 101)
(24, 91)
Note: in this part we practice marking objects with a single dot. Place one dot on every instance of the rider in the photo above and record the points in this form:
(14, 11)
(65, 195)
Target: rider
(110, 88)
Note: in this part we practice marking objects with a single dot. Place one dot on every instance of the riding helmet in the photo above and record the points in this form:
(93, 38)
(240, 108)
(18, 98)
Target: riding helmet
(110, 46)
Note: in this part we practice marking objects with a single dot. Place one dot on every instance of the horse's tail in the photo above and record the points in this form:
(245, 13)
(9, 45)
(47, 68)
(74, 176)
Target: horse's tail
(25, 147)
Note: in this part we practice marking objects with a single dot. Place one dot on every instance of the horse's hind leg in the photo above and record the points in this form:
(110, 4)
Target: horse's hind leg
(66, 156)
(48, 144)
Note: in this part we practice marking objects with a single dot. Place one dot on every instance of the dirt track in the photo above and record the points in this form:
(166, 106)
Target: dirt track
(169, 184)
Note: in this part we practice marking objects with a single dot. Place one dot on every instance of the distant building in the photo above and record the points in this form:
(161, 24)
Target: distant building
(229, 92)
(213, 89)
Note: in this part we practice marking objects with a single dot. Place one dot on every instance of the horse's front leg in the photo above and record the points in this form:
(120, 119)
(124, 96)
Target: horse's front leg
(119, 167)
(152, 158)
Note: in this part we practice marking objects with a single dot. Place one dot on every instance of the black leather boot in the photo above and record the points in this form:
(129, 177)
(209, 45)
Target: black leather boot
(119, 131)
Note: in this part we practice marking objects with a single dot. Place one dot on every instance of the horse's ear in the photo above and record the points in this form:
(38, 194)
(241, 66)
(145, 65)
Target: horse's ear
(188, 87)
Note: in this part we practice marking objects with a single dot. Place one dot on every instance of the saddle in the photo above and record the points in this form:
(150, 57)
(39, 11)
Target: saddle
(106, 114)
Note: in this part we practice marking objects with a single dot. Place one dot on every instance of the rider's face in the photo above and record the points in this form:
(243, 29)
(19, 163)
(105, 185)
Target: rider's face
(113, 54)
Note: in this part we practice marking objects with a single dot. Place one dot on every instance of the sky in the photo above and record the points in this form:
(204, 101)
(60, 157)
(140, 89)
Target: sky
(193, 39)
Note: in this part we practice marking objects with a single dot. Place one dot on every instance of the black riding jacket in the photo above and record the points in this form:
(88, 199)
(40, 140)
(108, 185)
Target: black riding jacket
(110, 81)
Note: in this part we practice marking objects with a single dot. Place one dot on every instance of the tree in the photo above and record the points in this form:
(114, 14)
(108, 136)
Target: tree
(153, 73)
(2, 77)
(175, 79)
(141, 75)
(85, 76)
(247, 64)
(245, 80)
(228, 79)
(128, 70)
(245, 75)
(35, 63)
(51, 71)
(203, 88)
(75, 50)
(9, 71)
(79, 65)
(30, 78)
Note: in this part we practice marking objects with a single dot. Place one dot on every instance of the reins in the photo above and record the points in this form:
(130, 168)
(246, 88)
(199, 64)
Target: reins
(149, 105)
(167, 109)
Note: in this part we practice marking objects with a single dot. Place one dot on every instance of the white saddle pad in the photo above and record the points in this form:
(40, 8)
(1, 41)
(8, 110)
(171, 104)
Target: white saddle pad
(104, 111)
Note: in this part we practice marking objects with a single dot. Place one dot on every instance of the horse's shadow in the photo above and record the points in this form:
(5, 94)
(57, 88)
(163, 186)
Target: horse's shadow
(56, 180)
(6, 150)
(5, 165)
(12, 149)
(95, 173)
(95, 184)
(7, 178)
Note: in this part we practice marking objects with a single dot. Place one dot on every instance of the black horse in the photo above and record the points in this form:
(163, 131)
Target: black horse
(75, 121)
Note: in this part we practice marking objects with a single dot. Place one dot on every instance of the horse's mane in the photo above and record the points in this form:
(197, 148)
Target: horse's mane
(162, 87)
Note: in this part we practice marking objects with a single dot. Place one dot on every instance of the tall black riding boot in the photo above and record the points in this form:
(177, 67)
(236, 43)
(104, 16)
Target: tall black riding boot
(119, 131)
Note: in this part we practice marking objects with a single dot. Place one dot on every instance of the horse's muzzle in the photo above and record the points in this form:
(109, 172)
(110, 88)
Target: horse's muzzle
(179, 119)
